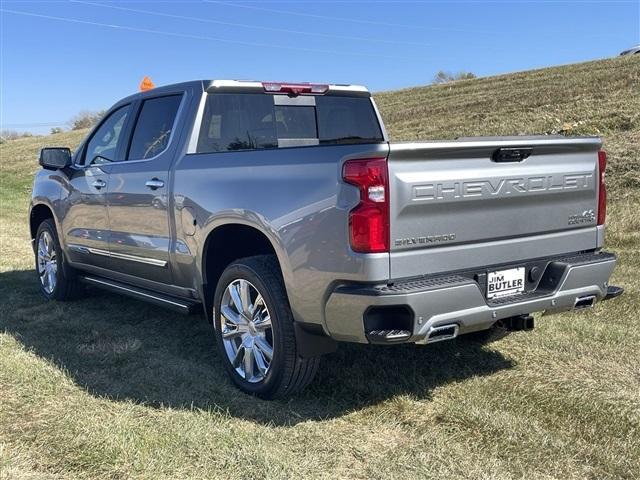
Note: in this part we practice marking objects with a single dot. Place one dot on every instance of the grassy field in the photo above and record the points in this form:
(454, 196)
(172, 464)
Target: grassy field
(107, 387)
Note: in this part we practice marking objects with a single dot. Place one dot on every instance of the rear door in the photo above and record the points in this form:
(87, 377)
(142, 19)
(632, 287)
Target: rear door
(462, 204)
(138, 204)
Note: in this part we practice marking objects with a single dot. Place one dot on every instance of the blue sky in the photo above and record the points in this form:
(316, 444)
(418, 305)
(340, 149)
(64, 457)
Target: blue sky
(60, 57)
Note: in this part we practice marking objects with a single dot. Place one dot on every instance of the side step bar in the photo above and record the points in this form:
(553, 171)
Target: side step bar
(167, 301)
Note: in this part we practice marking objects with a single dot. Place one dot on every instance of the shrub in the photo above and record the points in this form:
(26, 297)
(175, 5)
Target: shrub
(6, 135)
(446, 77)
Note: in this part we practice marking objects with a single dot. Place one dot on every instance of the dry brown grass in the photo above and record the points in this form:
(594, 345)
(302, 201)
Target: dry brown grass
(107, 387)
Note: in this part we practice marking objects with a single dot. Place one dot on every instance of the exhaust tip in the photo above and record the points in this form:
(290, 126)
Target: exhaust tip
(442, 332)
(584, 302)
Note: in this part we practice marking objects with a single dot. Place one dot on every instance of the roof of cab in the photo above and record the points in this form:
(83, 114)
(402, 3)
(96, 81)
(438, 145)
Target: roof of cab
(173, 87)
(238, 86)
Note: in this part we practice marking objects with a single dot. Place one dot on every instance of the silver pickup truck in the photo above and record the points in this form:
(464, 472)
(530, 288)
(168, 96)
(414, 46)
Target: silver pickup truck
(285, 214)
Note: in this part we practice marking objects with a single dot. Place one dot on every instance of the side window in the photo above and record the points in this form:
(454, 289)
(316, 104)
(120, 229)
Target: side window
(153, 128)
(103, 145)
(237, 122)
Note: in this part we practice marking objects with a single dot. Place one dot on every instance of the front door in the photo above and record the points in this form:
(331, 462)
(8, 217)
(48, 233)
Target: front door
(85, 224)
(138, 203)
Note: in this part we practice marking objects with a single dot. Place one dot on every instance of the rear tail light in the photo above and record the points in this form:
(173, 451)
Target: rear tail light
(369, 220)
(295, 88)
(602, 187)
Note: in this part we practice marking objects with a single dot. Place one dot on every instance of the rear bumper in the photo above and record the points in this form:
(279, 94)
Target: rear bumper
(459, 299)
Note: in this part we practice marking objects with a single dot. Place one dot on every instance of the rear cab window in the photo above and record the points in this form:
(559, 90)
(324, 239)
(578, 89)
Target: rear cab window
(251, 121)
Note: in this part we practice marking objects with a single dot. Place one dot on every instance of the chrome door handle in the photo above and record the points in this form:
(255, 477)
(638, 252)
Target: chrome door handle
(154, 183)
(99, 184)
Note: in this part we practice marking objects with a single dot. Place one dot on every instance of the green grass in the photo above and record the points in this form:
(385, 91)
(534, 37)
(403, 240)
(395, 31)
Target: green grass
(107, 387)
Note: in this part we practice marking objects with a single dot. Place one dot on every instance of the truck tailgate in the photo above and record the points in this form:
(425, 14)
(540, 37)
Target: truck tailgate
(485, 201)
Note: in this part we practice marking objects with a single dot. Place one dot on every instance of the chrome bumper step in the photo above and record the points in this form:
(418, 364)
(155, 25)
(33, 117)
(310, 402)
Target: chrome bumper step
(388, 336)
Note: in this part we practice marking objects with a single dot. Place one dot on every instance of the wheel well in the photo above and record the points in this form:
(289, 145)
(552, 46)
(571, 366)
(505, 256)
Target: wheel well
(39, 214)
(231, 242)
(228, 243)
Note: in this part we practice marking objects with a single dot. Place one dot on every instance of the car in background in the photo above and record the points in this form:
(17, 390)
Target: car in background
(632, 51)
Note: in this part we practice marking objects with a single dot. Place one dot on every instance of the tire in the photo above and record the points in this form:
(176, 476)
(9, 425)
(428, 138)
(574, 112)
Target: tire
(57, 280)
(246, 338)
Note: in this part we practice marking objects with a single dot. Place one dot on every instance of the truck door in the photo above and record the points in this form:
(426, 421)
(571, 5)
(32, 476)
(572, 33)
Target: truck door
(85, 224)
(138, 203)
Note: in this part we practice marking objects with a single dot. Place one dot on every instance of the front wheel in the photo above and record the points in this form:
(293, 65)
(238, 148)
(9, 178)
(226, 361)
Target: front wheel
(57, 281)
(254, 330)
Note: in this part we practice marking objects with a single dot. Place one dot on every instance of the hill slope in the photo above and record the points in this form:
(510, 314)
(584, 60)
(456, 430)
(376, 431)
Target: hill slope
(594, 98)
(109, 387)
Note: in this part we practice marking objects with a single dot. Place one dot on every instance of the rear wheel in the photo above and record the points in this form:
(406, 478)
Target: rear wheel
(57, 281)
(254, 330)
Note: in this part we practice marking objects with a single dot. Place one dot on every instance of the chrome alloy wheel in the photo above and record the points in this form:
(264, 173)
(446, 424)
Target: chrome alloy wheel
(246, 330)
(47, 262)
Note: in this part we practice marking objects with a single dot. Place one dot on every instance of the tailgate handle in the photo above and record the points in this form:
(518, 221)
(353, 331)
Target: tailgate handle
(511, 154)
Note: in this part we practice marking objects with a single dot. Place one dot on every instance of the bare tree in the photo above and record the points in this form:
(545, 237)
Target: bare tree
(85, 119)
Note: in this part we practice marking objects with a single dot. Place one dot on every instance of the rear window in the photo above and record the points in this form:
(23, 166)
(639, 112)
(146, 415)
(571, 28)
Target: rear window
(247, 121)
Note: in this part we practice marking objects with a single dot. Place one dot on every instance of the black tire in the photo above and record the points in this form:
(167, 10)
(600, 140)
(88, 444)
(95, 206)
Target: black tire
(287, 372)
(67, 286)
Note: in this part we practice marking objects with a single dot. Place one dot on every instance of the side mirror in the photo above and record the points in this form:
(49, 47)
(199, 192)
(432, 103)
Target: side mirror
(54, 158)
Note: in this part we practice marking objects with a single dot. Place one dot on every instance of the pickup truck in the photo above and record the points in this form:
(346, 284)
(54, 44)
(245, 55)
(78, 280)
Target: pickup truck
(283, 211)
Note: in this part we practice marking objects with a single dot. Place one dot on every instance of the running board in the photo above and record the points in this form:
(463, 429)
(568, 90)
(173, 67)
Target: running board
(167, 301)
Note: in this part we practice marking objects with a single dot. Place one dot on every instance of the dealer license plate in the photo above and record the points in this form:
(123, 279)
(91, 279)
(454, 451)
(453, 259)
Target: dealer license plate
(505, 282)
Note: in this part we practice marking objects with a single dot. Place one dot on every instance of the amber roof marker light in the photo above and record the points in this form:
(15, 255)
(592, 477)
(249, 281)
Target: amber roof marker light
(146, 84)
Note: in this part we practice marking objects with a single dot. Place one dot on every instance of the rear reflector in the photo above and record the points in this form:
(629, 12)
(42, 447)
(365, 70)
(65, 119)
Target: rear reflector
(369, 220)
(295, 88)
(602, 187)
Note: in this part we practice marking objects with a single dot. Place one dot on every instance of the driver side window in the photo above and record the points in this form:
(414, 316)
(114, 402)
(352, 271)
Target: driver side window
(103, 145)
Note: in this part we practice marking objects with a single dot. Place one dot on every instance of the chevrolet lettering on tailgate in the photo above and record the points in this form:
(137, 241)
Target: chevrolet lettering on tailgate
(503, 186)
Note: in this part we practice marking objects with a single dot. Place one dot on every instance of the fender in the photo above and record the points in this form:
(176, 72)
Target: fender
(311, 340)
(47, 191)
